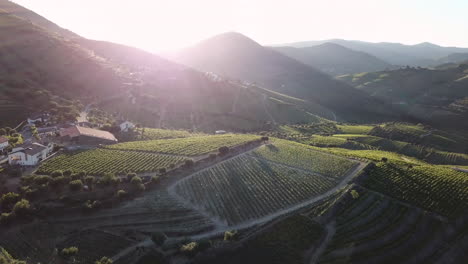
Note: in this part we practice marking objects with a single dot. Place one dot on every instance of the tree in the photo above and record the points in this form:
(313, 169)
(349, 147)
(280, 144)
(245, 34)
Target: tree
(189, 249)
(67, 173)
(22, 208)
(41, 179)
(6, 258)
(9, 199)
(2, 132)
(158, 238)
(56, 173)
(384, 159)
(354, 194)
(223, 150)
(89, 181)
(231, 235)
(121, 194)
(162, 171)
(136, 181)
(103, 260)
(57, 182)
(265, 139)
(69, 252)
(130, 175)
(76, 185)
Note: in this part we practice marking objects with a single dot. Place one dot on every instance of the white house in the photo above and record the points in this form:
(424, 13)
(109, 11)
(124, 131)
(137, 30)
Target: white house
(29, 154)
(126, 125)
(38, 118)
(3, 143)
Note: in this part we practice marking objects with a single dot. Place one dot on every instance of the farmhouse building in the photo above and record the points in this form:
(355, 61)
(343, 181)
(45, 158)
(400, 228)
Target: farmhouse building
(40, 117)
(86, 136)
(3, 143)
(29, 154)
(126, 125)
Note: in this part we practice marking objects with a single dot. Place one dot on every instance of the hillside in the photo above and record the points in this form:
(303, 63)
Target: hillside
(236, 56)
(33, 59)
(435, 95)
(423, 54)
(34, 18)
(335, 59)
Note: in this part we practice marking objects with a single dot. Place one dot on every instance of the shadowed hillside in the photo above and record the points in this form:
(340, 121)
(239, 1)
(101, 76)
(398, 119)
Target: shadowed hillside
(335, 59)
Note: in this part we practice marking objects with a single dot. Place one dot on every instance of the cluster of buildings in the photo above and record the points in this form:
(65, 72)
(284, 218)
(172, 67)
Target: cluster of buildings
(34, 151)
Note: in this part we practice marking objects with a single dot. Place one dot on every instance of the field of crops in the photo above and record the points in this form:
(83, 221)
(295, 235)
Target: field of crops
(284, 242)
(304, 157)
(156, 133)
(375, 229)
(100, 161)
(192, 146)
(433, 188)
(354, 129)
(246, 188)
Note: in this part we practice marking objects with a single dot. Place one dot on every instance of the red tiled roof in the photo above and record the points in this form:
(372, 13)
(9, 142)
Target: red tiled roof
(76, 131)
(3, 140)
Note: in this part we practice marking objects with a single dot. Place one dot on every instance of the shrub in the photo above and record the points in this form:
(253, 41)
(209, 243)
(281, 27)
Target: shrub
(130, 176)
(76, 185)
(354, 194)
(6, 218)
(75, 176)
(136, 181)
(89, 180)
(69, 252)
(56, 173)
(155, 179)
(231, 235)
(141, 187)
(384, 159)
(223, 150)
(121, 194)
(265, 138)
(158, 238)
(9, 199)
(39, 180)
(189, 249)
(57, 182)
(22, 208)
(103, 260)
(67, 173)
(82, 174)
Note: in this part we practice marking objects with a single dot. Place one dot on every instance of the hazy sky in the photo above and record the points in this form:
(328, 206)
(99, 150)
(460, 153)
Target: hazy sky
(170, 24)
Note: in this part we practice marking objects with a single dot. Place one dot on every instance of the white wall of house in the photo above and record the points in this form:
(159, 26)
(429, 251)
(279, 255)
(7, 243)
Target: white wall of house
(21, 158)
(125, 126)
(3, 145)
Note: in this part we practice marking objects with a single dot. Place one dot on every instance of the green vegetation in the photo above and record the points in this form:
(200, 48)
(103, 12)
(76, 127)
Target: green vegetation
(284, 242)
(156, 133)
(192, 146)
(433, 188)
(354, 129)
(247, 187)
(305, 157)
(100, 161)
(6, 258)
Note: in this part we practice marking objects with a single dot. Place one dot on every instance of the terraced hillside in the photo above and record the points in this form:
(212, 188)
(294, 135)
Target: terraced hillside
(101, 161)
(192, 146)
(275, 177)
(371, 228)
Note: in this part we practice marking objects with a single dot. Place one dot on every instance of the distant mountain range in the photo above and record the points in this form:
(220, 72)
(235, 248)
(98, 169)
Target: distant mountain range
(236, 56)
(423, 54)
(335, 59)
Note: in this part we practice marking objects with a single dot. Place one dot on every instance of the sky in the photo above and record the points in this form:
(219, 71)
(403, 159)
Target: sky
(164, 25)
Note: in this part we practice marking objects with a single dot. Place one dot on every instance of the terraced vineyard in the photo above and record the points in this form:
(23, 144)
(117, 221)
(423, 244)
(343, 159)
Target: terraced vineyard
(100, 161)
(304, 157)
(156, 211)
(247, 188)
(192, 146)
(94, 244)
(375, 229)
(434, 188)
(156, 133)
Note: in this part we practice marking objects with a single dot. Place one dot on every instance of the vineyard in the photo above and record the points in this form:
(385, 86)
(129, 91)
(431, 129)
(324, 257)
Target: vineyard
(100, 161)
(247, 188)
(374, 229)
(156, 211)
(285, 242)
(304, 157)
(192, 146)
(156, 133)
(433, 188)
(94, 244)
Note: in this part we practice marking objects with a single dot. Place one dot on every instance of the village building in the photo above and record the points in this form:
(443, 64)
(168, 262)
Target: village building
(39, 117)
(29, 154)
(126, 125)
(86, 136)
(3, 143)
